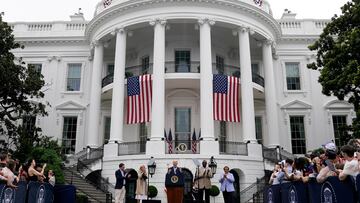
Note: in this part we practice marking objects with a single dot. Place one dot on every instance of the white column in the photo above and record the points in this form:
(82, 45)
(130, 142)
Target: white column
(117, 106)
(95, 96)
(270, 96)
(156, 145)
(247, 95)
(208, 144)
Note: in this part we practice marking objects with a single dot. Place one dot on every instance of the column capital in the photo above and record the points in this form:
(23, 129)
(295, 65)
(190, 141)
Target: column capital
(202, 21)
(267, 42)
(161, 21)
(117, 30)
(96, 43)
(244, 29)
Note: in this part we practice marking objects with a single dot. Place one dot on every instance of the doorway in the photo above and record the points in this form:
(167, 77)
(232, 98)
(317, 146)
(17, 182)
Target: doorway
(182, 129)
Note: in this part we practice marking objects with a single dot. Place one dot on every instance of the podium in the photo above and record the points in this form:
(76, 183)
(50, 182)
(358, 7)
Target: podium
(174, 183)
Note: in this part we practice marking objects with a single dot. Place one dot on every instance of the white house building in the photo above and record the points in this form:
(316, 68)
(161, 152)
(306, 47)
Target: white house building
(182, 43)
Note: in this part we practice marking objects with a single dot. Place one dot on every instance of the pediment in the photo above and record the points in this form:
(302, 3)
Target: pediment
(70, 105)
(338, 104)
(297, 104)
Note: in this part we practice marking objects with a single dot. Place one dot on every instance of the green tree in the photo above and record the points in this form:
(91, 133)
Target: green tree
(338, 60)
(20, 93)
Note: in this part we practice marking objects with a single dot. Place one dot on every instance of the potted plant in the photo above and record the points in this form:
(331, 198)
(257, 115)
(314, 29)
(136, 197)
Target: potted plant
(152, 192)
(214, 191)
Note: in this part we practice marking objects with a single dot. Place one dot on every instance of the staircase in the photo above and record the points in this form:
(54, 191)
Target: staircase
(96, 188)
(254, 192)
(72, 176)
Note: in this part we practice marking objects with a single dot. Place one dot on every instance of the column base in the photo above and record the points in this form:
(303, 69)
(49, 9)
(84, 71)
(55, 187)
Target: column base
(255, 150)
(111, 150)
(209, 147)
(155, 147)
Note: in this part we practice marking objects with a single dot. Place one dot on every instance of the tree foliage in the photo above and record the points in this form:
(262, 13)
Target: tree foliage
(338, 59)
(20, 91)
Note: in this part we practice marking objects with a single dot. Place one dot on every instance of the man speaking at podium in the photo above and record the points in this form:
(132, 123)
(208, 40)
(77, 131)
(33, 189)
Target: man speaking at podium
(174, 183)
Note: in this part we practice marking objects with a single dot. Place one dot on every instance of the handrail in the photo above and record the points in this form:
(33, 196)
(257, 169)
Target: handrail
(248, 193)
(92, 154)
(103, 184)
(88, 194)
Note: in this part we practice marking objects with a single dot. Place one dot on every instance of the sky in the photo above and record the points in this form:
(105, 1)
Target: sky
(60, 10)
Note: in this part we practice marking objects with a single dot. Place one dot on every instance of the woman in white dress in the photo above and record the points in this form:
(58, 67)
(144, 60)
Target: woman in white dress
(141, 186)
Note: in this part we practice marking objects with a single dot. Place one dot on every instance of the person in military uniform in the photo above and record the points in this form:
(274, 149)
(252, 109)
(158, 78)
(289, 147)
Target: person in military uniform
(174, 183)
(203, 182)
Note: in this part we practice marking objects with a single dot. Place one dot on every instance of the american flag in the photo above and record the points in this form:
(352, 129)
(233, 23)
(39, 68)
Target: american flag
(170, 143)
(226, 98)
(139, 91)
(193, 142)
(107, 3)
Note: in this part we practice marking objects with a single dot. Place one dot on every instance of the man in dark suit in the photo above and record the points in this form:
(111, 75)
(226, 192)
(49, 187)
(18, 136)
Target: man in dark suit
(120, 190)
(174, 183)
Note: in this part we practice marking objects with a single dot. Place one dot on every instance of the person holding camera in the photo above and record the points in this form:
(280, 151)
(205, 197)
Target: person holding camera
(227, 185)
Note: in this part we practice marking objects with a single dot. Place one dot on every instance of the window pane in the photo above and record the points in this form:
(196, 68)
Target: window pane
(110, 69)
(220, 64)
(258, 128)
(29, 123)
(339, 124)
(69, 134)
(292, 76)
(73, 77)
(36, 66)
(297, 128)
(182, 61)
(145, 64)
(255, 68)
(107, 129)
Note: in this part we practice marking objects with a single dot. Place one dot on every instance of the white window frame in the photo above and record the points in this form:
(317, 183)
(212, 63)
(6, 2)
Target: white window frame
(302, 76)
(77, 128)
(82, 75)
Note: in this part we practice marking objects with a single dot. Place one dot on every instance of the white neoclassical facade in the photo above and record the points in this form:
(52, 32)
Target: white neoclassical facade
(182, 44)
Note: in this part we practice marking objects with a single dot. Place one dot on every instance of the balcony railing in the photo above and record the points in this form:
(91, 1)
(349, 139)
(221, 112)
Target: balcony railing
(131, 148)
(192, 67)
(231, 70)
(182, 147)
(234, 148)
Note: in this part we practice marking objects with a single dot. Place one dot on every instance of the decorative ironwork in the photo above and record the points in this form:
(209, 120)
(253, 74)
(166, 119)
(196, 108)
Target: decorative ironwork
(253, 193)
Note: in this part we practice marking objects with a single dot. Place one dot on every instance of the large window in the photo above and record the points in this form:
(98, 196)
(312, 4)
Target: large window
(220, 65)
(292, 76)
(339, 124)
(143, 136)
(255, 68)
(29, 124)
(222, 136)
(69, 134)
(110, 69)
(73, 77)
(36, 66)
(297, 128)
(183, 126)
(258, 129)
(107, 129)
(145, 64)
(182, 61)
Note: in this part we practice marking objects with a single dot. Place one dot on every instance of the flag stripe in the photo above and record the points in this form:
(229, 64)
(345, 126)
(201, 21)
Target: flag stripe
(139, 99)
(226, 98)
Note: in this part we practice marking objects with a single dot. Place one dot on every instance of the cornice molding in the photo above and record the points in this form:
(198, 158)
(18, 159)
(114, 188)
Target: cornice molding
(136, 4)
(57, 40)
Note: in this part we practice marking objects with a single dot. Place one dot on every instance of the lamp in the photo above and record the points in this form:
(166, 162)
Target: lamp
(151, 169)
(151, 166)
(213, 165)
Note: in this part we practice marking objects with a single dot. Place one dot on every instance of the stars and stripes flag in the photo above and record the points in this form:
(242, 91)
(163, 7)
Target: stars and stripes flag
(170, 143)
(139, 91)
(107, 3)
(194, 143)
(226, 98)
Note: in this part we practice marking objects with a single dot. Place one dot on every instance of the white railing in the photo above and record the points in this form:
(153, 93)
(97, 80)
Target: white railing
(76, 26)
(290, 24)
(40, 27)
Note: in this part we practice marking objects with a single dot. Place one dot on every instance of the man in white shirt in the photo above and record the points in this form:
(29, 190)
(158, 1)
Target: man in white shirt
(351, 167)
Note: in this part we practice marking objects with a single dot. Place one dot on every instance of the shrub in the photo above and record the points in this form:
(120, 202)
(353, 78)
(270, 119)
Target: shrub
(214, 191)
(152, 191)
(81, 198)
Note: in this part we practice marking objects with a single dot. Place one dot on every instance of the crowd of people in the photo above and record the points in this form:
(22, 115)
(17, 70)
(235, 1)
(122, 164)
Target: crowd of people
(12, 172)
(320, 164)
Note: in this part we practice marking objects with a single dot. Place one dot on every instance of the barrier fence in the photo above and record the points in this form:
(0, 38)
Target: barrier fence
(35, 192)
(331, 191)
